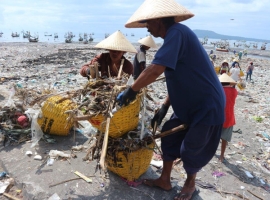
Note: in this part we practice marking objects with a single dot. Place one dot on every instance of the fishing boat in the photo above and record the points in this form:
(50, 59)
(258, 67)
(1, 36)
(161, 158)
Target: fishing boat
(26, 34)
(33, 39)
(15, 34)
(222, 49)
(91, 39)
(46, 34)
(263, 47)
(68, 40)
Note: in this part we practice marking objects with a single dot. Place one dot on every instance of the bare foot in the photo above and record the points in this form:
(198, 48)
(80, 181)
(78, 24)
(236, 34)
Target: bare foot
(188, 188)
(158, 183)
(221, 159)
(186, 193)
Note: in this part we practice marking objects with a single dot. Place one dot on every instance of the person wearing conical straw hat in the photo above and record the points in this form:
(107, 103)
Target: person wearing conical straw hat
(109, 63)
(194, 92)
(230, 93)
(235, 60)
(224, 67)
(139, 62)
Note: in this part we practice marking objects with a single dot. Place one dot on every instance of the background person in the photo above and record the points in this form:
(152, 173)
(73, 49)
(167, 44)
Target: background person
(224, 67)
(235, 60)
(240, 55)
(235, 72)
(250, 69)
(228, 85)
(139, 62)
(109, 63)
(194, 91)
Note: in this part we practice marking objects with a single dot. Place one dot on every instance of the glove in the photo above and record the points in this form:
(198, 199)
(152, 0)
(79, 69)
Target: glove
(159, 115)
(127, 96)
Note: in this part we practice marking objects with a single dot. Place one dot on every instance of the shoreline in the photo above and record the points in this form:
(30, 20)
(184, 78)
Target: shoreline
(40, 65)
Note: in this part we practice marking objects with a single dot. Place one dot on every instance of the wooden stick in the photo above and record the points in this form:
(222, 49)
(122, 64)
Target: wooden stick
(106, 136)
(255, 195)
(85, 117)
(105, 144)
(73, 179)
(234, 193)
(10, 196)
(171, 131)
(120, 70)
(96, 70)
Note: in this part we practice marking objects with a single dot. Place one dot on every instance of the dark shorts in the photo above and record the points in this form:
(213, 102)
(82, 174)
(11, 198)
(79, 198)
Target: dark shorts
(195, 146)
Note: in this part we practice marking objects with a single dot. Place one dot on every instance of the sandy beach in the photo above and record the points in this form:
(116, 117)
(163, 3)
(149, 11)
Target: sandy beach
(38, 66)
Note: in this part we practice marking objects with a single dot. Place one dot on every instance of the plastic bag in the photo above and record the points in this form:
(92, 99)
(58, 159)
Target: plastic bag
(10, 102)
(87, 128)
(36, 131)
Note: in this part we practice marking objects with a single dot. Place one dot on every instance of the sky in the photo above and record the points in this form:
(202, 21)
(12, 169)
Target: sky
(251, 18)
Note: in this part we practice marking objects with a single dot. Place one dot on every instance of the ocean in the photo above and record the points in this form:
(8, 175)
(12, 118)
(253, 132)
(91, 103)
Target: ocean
(6, 37)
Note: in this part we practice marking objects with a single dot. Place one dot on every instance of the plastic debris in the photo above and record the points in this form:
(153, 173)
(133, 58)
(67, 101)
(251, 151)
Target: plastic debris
(50, 161)
(157, 163)
(28, 153)
(37, 157)
(54, 197)
(55, 154)
(249, 175)
(218, 174)
(3, 174)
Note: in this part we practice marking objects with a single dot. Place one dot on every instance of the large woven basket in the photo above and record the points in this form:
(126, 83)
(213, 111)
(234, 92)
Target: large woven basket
(132, 165)
(124, 120)
(54, 119)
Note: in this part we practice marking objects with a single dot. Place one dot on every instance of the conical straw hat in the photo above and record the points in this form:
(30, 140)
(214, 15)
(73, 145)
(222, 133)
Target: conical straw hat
(148, 41)
(224, 78)
(224, 61)
(152, 9)
(117, 42)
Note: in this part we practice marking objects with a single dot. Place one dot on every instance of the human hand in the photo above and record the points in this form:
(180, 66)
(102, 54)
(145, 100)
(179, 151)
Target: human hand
(127, 96)
(158, 117)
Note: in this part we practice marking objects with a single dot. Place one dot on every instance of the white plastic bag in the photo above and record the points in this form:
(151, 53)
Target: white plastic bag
(87, 128)
(10, 102)
(36, 131)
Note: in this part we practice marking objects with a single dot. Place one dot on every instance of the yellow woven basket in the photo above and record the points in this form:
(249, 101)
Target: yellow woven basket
(132, 166)
(123, 120)
(241, 73)
(217, 69)
(240, 86)
(54, 120)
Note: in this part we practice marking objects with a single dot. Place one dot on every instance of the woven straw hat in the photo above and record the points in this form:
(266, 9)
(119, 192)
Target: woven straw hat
(235, 60)
(148, 41)
(224, 78)
(152, 9)
(225, 61)
(117, 42)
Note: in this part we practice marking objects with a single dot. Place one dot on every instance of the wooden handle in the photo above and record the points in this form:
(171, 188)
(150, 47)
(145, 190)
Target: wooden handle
(105, 144)
(120, 70)
(171, 131)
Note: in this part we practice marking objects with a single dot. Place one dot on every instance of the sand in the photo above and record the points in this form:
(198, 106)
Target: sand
(41, 65)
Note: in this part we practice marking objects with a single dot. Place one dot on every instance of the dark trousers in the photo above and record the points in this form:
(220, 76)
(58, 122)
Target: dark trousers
(196, 145)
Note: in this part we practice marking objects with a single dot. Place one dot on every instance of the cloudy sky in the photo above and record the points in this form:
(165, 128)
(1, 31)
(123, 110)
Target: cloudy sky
(251, 17)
